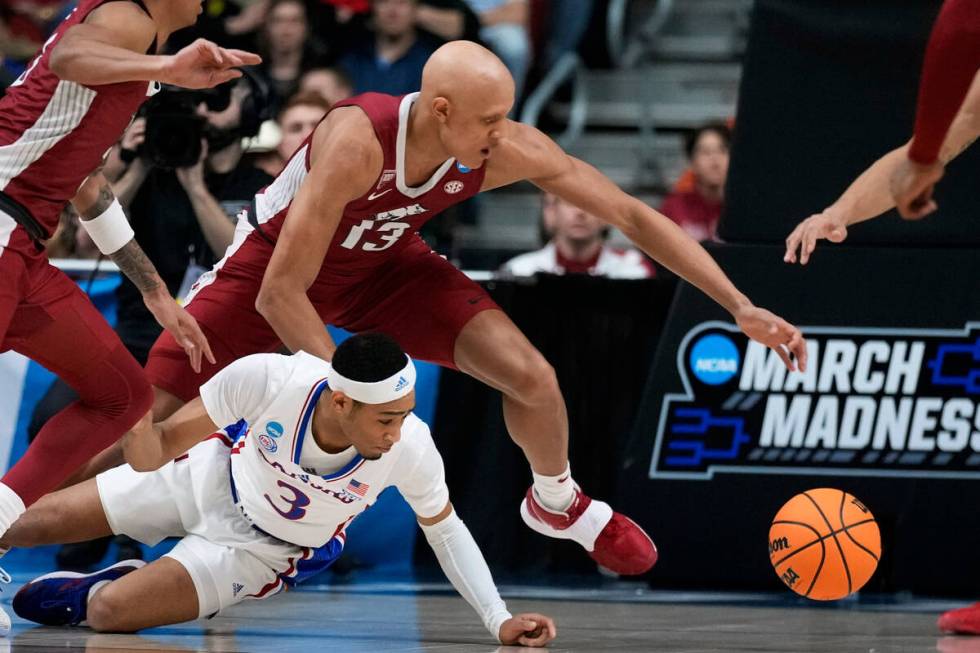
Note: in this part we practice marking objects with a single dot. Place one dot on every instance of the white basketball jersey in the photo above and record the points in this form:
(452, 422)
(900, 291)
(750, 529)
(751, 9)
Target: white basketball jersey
(275, 395)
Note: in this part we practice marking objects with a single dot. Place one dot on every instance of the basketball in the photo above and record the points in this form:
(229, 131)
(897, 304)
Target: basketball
(824, 544)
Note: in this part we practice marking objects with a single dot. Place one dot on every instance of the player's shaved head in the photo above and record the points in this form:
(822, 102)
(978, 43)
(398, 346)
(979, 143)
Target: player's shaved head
(463, 69)
(469, 92)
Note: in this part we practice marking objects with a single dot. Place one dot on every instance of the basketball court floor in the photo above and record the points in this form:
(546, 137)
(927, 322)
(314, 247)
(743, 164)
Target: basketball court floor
(409, 616)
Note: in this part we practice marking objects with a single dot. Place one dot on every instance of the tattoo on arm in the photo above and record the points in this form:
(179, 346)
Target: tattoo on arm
(101, 205)
(136, 266)
(130, 258)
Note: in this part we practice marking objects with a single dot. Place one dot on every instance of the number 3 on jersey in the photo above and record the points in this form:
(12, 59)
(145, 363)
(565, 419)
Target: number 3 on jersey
(296, 506)
(389, 232)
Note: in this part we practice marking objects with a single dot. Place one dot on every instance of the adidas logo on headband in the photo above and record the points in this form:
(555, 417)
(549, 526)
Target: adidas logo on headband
(402, 384)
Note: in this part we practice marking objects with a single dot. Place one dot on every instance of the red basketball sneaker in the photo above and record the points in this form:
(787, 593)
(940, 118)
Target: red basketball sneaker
(963, 620)
(613, 540)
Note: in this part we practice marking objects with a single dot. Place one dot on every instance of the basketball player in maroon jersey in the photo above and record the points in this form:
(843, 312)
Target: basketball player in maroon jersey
(56, 122)
(335, 240)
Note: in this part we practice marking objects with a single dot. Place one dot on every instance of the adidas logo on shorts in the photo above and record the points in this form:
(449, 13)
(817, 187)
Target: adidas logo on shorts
(236, 588)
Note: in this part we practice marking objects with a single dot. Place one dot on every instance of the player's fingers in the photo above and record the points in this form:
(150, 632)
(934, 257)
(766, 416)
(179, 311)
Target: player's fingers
(222, 76)
(246, 58)
(797, 345)
(792, 244)
(199, 339)
(809, 244)
(781, 351)
(214, 51)
(192, 351)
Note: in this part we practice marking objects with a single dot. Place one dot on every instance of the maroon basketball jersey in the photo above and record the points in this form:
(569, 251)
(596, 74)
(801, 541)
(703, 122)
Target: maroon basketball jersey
(388, 216)
(54, 133)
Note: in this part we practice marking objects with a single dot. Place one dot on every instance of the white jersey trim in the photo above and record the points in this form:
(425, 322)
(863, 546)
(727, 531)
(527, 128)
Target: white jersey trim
(68, 106)
(283, 190)
(400, 183)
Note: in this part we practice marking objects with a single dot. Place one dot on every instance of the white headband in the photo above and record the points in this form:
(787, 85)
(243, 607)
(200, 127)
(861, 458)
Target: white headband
(394, 387)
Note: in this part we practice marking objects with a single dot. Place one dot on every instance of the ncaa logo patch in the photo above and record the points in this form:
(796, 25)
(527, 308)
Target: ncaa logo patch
(453, 187)
(714, 359)
(268, 443)
(462, 168)
(274, 429)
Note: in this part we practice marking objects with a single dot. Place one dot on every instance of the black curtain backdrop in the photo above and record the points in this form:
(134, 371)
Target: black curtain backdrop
(712, 533)
(600, 336)
(828, 87)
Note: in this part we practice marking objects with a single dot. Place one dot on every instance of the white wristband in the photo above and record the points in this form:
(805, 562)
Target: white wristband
(110, 230)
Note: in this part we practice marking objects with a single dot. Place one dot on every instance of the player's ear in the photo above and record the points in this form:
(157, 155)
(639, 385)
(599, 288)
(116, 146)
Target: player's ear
(340, 402)
(440, 107)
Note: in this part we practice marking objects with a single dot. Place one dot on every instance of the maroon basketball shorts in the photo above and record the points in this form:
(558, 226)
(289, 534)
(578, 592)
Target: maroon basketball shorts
(413, 295)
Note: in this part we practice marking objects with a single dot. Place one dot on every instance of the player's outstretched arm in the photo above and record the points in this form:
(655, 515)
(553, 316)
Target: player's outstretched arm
(529, 154)
(464, 566)
(106, 223)
(109, 47)
(150, 446)
(346, 159)
(951, 61)
(870, 194)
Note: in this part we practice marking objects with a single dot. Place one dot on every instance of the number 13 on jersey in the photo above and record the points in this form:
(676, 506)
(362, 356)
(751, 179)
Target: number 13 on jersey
(389, 232)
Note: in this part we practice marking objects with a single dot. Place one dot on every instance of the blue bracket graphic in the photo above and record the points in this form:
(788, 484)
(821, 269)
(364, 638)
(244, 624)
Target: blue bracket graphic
(701, 422)
(971, 380)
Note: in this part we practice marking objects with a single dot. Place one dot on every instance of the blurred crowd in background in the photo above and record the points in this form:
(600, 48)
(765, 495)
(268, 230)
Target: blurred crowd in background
(191, 162)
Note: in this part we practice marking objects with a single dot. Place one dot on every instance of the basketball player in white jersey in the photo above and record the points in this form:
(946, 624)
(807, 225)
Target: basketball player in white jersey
(264, 503)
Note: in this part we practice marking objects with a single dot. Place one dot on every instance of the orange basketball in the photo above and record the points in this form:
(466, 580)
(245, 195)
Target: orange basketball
(824, 544)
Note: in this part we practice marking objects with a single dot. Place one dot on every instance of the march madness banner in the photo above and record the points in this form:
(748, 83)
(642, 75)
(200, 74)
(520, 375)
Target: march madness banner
(873, 401)
(887, 411)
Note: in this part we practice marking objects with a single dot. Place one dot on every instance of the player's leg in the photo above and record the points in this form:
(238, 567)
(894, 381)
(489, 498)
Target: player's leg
(444, 317)
(59, 327)
(74, 514)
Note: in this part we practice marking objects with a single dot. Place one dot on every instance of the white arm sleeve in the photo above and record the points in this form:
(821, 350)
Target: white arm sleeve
(241, 390)
(463, 563)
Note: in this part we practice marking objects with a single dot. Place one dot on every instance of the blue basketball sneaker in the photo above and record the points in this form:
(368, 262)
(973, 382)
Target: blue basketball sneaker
(4, 617)
(61, 598)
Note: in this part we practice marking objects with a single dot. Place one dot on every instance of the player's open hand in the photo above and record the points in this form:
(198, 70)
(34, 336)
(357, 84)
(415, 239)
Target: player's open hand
(912, 185)
(202, 64)
(181, 325)
(830, 225)
(528, 629)
(774, 332)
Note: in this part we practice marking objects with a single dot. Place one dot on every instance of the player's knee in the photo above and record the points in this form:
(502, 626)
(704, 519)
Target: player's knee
(534, 381)
(127, 393)
(106, 611)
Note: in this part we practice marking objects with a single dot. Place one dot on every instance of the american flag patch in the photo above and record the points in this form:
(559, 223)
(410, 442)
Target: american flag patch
(358, 488)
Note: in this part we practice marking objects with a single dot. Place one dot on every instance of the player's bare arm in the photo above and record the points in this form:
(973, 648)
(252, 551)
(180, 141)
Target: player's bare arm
(869, 196)
(110, 46)
(103, 218)
(529, 154)
(151, 447)
(468, 571)
(345, 161)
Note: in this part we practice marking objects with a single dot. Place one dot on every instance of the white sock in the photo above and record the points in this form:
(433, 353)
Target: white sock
(555, 492)
(11, 507)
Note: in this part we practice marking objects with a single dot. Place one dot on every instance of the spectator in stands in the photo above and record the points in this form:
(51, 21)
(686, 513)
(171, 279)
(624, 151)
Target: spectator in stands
(332, 84)
(577, 245)
(295, 122)
(448, 20)
(504, 28)
(698, 208)
(287, 49)
(391, 61)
